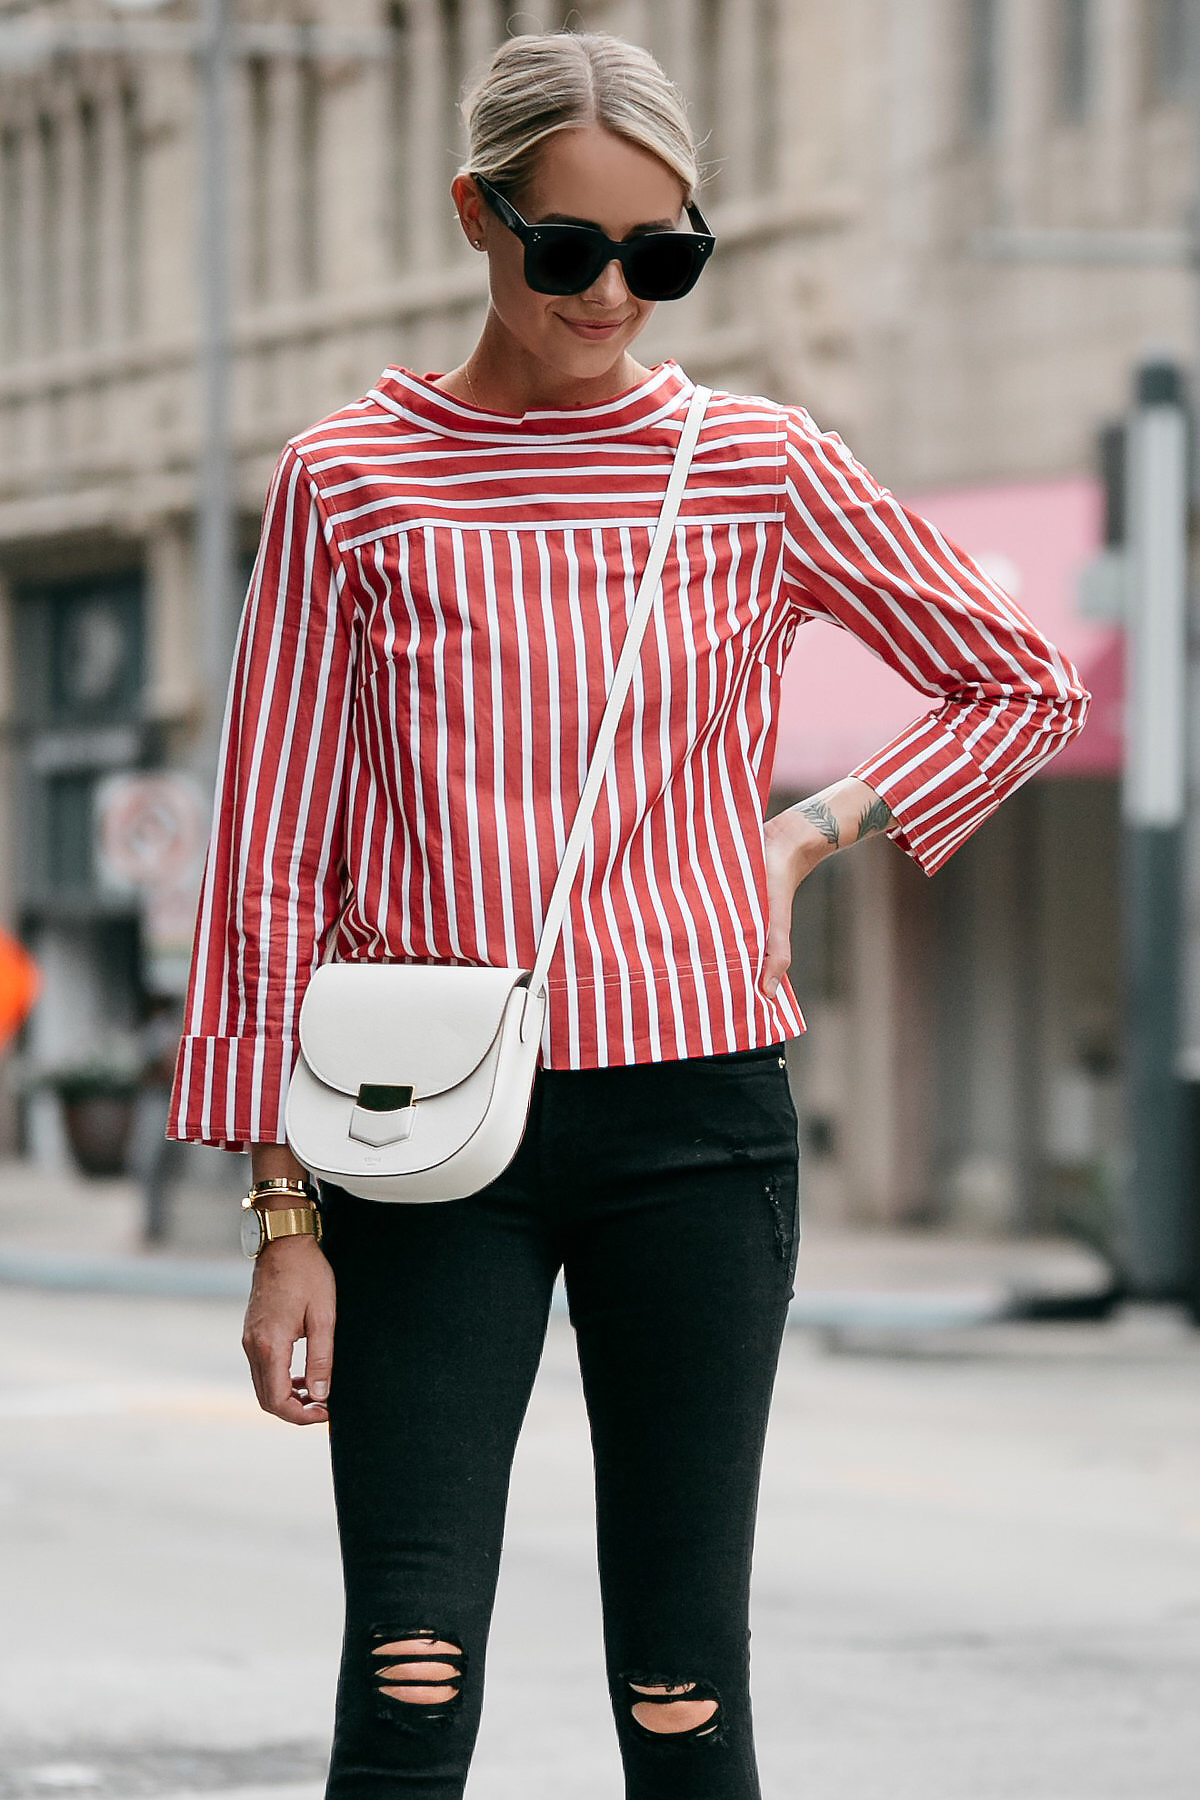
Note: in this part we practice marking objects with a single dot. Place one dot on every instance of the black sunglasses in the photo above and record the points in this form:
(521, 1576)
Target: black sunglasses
(566, 259)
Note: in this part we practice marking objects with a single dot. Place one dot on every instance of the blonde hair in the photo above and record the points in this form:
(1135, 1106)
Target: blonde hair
(545, 82)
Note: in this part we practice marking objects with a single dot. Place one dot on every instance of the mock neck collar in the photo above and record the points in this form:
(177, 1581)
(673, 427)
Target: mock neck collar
(415, 398)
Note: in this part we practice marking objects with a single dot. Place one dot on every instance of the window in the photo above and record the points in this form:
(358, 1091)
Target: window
(1073, 59)
(49, 297)
(982, 66)
(400, 69)
(454, 50)
(768, 47)
(258, 107)
(708, 89)
(455, 56)
(131, 210)
(95, 661)
(1166, 50)
(12, 260)
(80, 649)
(90, 232)
(308, 175)
(70, 832)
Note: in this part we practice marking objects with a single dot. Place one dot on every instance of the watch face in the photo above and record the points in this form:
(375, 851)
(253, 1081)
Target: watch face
(252, 1231)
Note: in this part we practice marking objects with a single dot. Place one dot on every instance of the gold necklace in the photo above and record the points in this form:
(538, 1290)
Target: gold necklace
(471, 385)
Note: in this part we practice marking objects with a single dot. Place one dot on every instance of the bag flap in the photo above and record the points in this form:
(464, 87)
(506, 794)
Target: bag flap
(399, 1024)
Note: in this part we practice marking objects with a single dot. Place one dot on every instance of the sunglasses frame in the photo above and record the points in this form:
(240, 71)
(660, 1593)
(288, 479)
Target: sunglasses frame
(700, 240)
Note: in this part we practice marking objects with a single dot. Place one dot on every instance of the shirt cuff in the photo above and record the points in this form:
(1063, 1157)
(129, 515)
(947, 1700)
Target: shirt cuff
(230, 1091)
(934, 790)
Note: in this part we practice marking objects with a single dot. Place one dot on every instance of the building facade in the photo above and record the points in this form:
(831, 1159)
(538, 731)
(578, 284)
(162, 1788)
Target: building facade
(869, 163)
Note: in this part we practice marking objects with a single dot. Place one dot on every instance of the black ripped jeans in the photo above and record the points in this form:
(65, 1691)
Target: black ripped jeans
(668, 1193)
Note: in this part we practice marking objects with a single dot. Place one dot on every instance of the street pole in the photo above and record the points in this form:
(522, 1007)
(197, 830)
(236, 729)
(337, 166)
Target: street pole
(1189, 1043)
(216, 533)
(1157, 1249)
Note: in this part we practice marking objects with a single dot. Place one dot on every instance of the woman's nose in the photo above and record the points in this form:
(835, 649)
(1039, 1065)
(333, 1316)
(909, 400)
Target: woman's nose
(609, 287)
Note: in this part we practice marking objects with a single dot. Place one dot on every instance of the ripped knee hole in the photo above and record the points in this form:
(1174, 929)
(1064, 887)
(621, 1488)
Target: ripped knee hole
(665, 1715)
(417, 1668)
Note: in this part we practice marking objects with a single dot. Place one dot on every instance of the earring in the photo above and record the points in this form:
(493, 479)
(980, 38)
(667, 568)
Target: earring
(478, 243)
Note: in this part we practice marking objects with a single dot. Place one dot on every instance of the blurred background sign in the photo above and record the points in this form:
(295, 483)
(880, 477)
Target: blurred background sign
(151, 835)
(151, 830)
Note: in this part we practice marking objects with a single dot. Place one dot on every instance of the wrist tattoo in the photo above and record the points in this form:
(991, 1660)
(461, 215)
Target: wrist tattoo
(876, 817)
(818, 813)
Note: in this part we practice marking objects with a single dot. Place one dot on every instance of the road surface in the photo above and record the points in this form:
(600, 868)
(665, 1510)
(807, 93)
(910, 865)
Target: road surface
(977, 1573)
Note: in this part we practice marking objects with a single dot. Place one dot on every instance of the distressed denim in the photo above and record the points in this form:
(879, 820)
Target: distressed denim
(668, 1194)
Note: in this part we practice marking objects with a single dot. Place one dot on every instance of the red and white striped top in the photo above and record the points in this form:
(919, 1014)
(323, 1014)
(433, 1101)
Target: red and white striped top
(437, 603)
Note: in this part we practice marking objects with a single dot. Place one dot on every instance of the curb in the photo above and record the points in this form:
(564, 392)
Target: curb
(872, 1309)
(220, 1278)
(829, 1310)
(174, 1276)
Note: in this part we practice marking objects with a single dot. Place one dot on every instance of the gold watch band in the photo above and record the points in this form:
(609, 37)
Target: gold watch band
(289, 1221)
(271, 1222)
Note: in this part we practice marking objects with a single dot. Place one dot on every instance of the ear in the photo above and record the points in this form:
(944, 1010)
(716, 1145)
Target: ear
(472, 213)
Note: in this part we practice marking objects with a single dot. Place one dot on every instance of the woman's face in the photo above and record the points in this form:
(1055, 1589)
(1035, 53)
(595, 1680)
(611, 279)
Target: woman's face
(585, 176)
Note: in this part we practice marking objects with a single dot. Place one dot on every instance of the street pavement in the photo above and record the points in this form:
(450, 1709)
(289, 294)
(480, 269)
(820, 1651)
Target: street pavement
(977, 1570)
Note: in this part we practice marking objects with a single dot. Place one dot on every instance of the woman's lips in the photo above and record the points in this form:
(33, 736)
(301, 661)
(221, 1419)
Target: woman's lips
(585, 329)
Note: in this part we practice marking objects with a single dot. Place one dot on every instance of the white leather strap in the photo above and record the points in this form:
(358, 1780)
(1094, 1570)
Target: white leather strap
(622, 676)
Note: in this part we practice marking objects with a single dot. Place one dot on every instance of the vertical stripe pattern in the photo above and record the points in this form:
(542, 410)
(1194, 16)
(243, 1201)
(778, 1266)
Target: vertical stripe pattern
(437, 605)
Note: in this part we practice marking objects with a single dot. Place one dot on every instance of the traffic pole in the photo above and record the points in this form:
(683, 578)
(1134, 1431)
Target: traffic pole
(1157, 1247)
(1189, 1048)
(216, 532)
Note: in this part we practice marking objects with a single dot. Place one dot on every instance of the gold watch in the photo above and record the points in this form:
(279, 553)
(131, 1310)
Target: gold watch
(263, 1222)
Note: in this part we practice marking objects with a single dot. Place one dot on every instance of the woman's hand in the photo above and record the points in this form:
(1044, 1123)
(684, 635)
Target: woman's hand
(796, 841)
(291, 1297)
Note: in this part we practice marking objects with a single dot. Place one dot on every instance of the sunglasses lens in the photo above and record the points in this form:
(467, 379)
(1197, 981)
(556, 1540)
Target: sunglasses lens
(663, 267)
(569, 258)
(561, 264)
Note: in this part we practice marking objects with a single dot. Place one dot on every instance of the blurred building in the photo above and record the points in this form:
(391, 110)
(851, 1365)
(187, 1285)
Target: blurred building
(963, 1060)
(965, 1057)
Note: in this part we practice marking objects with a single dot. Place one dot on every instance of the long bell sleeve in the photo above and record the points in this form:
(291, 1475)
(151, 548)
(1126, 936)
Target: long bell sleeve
(274, 871)
(1008, 699)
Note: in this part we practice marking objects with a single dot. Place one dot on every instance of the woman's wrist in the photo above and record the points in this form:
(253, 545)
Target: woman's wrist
(293, 1243)
(839, 815)
(276, 1162)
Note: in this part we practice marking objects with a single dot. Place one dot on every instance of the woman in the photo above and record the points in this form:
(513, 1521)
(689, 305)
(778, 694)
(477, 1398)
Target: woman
(440, 593)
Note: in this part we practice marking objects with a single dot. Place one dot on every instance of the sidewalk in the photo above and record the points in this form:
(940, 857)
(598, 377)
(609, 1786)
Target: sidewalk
(58, 1230)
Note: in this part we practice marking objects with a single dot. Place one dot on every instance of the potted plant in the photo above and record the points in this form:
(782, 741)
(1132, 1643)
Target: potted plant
(98, 1095)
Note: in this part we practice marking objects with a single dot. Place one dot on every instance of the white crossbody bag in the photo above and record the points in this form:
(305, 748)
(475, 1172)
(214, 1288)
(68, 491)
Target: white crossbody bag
(414, 1080)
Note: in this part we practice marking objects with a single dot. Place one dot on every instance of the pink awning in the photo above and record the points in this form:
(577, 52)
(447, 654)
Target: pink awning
(840, 703)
